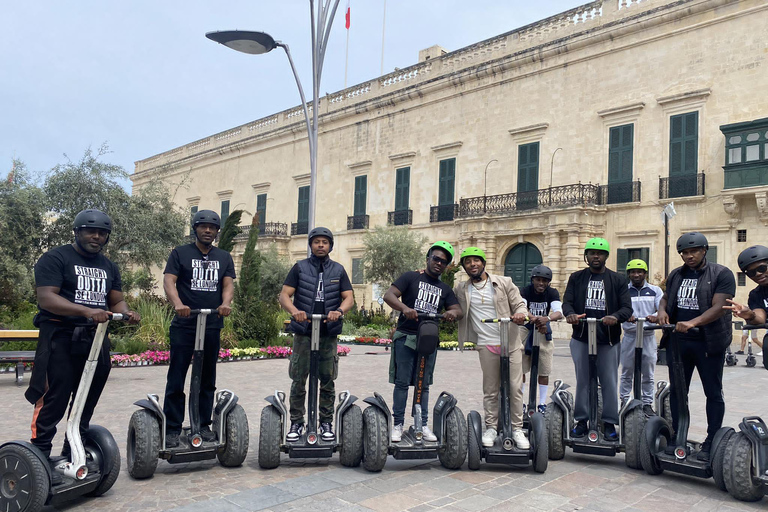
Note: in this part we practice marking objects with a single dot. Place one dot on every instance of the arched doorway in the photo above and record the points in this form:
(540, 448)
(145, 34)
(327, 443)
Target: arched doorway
(519, 262)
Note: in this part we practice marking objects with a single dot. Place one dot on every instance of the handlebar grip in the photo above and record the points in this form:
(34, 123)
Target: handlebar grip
(434, 316)
(749, 327)
(322, 317)
(500, 320)
(201, 311)
(669, 327)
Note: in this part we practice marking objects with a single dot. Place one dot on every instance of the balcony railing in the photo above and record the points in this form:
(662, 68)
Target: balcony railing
(685, 185)
(443, 212)
(578, 194)
(357, 222)
(400, 217)
(299, 228)
(615, 193)
(268, 229)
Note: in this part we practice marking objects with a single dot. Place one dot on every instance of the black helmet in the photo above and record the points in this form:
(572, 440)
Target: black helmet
(206, 217)
(541, 271)
(751, 255)
(93, 219)
(691, 240)
(320, 231)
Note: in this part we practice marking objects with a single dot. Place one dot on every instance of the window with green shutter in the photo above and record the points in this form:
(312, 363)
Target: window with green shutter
(303, 214)
(528, 176)
(402, 188)
(712, 254)
(361, 190)
(447, 177)
(192, 212)
(357, 271)
(683, 154)
(261, 209)
(224, 211)
(620, 149)
(624, 256)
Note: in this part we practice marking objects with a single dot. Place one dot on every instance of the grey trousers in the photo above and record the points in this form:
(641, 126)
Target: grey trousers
(647, 366)
(607, 377)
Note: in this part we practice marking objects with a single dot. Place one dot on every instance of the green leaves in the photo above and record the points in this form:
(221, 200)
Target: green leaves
(390, 251)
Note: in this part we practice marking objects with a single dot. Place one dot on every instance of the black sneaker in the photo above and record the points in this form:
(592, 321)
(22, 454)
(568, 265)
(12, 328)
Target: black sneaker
(207, 434)
(648, 410)
(172, 439)
(542, 408)
(326, 432)
(294, 434)
(739, 352)
(706, 447)
(580, 430)
(609, 432)
(55, 475)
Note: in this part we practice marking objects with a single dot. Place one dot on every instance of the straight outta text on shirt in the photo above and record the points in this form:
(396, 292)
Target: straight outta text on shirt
(686, 295)
(205, 276)
(428, 298)
(595, 295)
(91, 286)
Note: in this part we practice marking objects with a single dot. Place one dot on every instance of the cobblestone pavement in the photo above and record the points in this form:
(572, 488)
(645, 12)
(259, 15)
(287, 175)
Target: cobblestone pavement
(579, 482)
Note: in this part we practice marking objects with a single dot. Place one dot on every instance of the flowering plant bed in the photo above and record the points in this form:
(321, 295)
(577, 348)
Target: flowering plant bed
(362, 340)
(454, 345)
(153, 357)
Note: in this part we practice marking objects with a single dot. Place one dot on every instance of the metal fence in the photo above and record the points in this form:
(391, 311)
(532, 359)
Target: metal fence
(682, 186)
(579, 194)
(400, 217)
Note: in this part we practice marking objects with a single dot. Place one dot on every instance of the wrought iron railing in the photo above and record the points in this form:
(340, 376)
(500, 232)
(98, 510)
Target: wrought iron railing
(400, 217)
(685, 185)
(357, 222)
(299, 228)
(615, 193)
(578, 194)
(443, 212)
(268, 229)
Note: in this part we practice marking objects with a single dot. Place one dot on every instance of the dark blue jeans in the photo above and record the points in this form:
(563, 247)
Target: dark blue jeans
(405, 361)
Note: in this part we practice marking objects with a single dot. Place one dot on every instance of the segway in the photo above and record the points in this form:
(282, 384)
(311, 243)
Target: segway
(560, 414)
(90, 469)
(146, 442)
(275, 418)
(730, 357)
(661, 448)
(450, 427)
(504, 450)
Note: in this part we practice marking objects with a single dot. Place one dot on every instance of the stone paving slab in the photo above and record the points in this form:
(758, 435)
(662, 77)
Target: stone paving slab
(578, 482)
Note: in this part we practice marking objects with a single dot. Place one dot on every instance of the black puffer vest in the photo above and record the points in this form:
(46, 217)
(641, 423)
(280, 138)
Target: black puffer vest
(304, 298)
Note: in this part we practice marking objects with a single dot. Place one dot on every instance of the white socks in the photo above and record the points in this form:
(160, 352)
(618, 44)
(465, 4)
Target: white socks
(543, 393)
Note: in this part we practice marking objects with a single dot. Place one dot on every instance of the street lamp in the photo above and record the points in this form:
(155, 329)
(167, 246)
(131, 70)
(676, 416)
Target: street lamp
(257, 43)
(485, 184)
(551, 168)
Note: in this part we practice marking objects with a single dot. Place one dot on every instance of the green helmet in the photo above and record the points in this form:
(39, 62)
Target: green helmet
(637, 265)
(597, 244)
(444, 246)
(472, 251)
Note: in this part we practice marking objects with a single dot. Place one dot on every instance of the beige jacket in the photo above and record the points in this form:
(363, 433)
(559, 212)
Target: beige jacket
(508, 302)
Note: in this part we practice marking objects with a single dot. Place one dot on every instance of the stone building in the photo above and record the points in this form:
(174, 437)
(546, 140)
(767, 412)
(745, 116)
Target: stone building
(583, 124)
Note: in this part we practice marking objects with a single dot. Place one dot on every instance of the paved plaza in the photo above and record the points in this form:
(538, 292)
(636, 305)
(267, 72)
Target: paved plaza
(579, 482)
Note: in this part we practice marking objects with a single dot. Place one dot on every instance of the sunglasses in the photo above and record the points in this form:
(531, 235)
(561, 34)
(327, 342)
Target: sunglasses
(758, 270)
(438, 259)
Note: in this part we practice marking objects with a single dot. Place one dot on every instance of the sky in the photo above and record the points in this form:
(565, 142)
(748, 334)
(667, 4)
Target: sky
(141, 76)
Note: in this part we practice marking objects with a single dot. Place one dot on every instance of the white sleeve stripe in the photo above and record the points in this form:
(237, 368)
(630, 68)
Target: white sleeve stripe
(557, 307)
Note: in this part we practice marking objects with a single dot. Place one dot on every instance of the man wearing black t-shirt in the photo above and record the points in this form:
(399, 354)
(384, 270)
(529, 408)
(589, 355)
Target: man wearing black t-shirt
(413, 293)
(74, 283)
(695, 296)
(197, 276)
(753, 261)
(320, 286)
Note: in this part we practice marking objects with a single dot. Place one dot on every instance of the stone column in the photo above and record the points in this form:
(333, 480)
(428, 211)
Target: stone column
(488, 244)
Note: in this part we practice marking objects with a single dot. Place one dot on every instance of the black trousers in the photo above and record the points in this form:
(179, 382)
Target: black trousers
(65, 363)
(182, 350)
(710, 369)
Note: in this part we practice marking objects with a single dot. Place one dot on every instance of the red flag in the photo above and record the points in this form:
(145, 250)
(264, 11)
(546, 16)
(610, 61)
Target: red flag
(347, 15)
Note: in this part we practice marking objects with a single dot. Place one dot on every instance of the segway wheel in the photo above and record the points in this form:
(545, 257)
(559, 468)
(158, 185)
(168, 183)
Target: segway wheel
(102, 449)
(554, 420)
(236, 437)
(539, 443)
(751, 361)
(455, 450)
(666, 413)
(718, 461)
(351, 453)
(473, 446)
(653, 439)
(375, 439)
(634, 424)
(24, 483)
(143, 445)
(270, 433)
(737, 470)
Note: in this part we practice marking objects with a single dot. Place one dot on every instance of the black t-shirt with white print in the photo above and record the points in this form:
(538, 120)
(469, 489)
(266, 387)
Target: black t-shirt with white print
(423, 293)
(85, 280)
(687, 303)
(199, 280)
(594, 307)
(539, 304)
(758, 298)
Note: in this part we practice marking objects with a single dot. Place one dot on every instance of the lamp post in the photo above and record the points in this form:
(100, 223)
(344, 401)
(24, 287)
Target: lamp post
(551, 168)
(485, 185)
(257, 43)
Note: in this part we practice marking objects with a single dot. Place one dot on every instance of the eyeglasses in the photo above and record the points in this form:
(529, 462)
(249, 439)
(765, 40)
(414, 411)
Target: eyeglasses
(438, 259)
(758, 270)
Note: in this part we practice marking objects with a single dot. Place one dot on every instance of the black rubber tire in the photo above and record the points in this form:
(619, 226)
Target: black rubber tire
(737, 470)
(751, 361)
(718, 461)
(600, 409)
(143, 444)
(540, 445)
(375, 439)
(555, 442)
(634, 425)
(648, 454)
(454, 453)
(666, 413)
(99, 440)
(270, 437)
(351, 452)
(473, 448)
(31, 490)
(236, 438)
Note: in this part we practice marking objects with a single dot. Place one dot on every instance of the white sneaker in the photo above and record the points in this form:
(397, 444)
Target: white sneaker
(518, 436)
(489, 436)
(759, 353)
(427, 434)
(397, 434)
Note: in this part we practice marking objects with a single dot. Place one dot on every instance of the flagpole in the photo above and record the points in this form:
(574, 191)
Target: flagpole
(383, 30)
(346, 61)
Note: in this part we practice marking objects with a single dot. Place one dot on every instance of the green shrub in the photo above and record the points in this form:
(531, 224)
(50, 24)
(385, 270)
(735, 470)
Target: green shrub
(372, 331)
(14, 346)
(19, 317)
(129, 345)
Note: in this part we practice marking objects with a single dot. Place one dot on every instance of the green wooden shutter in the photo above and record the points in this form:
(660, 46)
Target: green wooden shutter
(402, 188)
(712, 254)
(447, 177)
(622, 258)
(645, 255)
(261, 209)
(620, 149)
(357, 271)
(192, 212)
(528, 167)
(224, 211)
(361, 190)
(683, 144)
(303, 214)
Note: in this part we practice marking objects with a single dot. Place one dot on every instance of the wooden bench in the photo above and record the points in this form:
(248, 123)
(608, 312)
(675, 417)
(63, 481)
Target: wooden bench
(18, 357)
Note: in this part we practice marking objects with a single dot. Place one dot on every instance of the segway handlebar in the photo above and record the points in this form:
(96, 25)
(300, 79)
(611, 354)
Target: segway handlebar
(501, 320)
(749, 327)
(668, 327)
(115, 317)
(430, 316)
(201, 311)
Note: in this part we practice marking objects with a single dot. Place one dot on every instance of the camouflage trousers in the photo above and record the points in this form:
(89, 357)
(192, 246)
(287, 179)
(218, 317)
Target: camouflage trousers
(298, 370)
